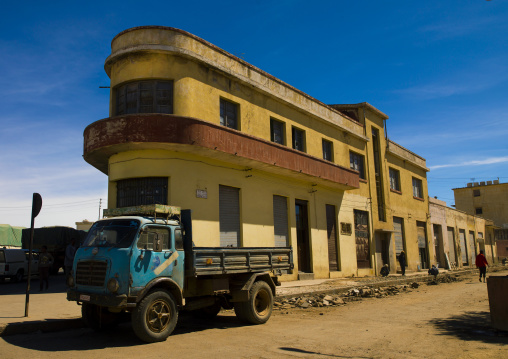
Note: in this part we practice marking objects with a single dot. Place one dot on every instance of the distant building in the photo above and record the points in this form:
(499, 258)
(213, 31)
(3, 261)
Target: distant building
(489, 200)
(458, 237)
(258, 161)
(84, 225)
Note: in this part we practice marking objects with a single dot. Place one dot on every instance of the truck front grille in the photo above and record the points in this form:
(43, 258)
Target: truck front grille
(92, 273)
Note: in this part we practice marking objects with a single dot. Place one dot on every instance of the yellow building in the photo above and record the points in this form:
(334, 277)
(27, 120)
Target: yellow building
(488, 200)
(259, 162)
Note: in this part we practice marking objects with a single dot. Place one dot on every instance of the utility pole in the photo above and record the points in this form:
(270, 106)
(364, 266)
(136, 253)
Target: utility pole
(100, 204)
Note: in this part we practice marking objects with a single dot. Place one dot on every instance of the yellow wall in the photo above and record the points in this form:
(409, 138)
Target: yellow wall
(256, 200)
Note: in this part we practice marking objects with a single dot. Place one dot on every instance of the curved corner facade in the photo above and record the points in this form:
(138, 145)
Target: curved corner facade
(259, 162)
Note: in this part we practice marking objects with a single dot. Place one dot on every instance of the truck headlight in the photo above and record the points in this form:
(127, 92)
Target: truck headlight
(113, 285)
(70, 280)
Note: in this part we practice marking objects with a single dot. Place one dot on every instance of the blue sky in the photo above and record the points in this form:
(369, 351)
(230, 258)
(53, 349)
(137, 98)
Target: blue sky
(438, 69)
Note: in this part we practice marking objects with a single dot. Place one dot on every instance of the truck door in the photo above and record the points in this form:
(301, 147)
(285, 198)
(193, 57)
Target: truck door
(153, 256)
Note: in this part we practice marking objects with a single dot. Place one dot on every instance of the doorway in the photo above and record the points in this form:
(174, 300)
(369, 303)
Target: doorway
(302, 236)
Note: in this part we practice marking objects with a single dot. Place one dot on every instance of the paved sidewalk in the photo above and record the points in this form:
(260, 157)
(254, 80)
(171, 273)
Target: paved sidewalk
(50, 310)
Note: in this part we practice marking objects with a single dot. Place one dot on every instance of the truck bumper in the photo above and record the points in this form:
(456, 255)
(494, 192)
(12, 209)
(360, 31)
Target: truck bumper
(116, 301)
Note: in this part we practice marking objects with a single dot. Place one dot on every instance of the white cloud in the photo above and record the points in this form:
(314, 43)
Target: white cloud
(486, 161)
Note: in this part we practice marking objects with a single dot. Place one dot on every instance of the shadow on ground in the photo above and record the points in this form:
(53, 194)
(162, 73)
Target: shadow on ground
(121, 336)
(471, 326)
(56, 285)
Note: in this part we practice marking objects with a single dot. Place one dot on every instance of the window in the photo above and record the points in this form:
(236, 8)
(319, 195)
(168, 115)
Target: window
(139, 191)
(228, 114)
(478, 210)
(476, 192)
(394, 179)
(150, 234)
(144, 97)
(298, 139)
(178, 240)
(277, 131)
(327, 150)
(417, 188)
(356, 162)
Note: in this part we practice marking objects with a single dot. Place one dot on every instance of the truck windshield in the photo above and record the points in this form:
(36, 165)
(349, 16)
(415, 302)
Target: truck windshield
(112, 233)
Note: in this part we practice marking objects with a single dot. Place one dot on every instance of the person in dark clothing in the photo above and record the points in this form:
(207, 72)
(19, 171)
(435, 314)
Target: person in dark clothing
(434, 271)
(385, 270)
(402, 261)
(45, 263)
(481, 263)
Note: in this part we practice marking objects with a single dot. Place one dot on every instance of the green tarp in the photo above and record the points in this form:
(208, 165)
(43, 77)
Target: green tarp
(10, 236)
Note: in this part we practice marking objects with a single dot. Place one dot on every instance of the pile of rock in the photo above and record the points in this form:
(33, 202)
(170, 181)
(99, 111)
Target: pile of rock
(309, 301)
(322, 300)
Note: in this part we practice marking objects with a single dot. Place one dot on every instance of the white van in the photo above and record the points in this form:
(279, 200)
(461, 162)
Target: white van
(14, 263)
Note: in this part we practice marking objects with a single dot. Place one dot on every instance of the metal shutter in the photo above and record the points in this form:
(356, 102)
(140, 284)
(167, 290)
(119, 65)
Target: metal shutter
(280, 221)
(398, 234)
(463, 249)
(229, 216)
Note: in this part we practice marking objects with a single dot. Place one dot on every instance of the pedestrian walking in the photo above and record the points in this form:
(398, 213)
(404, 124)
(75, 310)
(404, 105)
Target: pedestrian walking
(70, 252)
(402, 261)
(45, 263)
(481, 264)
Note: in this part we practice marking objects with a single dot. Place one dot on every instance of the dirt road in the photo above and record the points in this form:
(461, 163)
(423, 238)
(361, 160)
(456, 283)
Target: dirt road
(441, 321)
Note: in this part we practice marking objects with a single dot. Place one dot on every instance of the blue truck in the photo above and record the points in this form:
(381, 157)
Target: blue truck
(140, 262)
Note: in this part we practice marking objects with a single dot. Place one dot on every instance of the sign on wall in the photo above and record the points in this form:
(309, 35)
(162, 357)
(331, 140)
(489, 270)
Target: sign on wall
(201, 193)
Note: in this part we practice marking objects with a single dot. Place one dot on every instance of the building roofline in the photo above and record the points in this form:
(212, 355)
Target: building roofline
(481, 185)
(411, 152)
(361, 105)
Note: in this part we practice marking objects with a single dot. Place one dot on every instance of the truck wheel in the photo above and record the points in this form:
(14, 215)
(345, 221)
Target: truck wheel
(98, 318)
(258, 309)
(19, 276)
(155, 317)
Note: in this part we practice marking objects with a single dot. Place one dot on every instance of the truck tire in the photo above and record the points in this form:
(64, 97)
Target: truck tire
(258, 309)
(98, 318)
(155, 317)
(19, 276)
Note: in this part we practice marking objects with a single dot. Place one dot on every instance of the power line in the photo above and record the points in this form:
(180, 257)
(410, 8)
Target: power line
(63, 205)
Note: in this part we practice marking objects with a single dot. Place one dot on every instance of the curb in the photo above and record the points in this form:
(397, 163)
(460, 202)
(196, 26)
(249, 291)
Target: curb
(387, 283)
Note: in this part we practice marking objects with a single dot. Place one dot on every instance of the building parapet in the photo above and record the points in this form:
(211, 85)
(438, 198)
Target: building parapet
(364, 105)
(398, 151)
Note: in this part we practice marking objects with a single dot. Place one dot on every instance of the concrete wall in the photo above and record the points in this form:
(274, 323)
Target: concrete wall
(476, 229)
